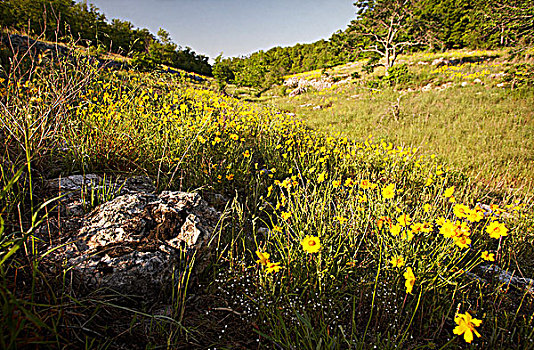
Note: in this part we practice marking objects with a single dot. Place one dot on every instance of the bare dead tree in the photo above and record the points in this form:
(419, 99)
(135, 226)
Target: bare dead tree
(385, 27)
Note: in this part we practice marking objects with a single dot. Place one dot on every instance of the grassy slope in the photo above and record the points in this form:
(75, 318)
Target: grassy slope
(485, 130)
(369, 204)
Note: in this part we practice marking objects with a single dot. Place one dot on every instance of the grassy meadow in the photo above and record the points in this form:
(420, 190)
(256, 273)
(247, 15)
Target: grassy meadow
(466, 114)
(330, 238)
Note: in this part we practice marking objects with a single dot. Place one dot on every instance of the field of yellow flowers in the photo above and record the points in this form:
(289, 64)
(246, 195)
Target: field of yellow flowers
(326, 242)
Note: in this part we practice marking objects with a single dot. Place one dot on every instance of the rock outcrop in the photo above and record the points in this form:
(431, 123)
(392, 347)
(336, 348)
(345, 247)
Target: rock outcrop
(138, 242)
(301, 85)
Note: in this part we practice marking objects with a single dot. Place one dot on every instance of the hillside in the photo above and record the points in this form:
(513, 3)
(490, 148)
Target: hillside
(333, 195)
(457, 106)
(306, 237)
(82, 24)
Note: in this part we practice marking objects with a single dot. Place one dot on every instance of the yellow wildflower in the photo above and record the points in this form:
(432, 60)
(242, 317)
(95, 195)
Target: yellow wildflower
(263, 258)
(388, 192)
(404, 220)
(461, 211)
(497, 230)
(448, 192)
(365, 184)
(384, 219)
(397, 261)
(466, 326)
(277, 228)
(341, 219)
(410, 280)
(462, 241)
(311, 244)
(417, 227)
(441, 221)
(426, 227)
(272, 267)
(488, 256)
(395, 229)
(475, 215)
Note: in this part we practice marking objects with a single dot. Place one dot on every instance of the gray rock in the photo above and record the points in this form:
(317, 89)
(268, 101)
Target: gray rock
(136, 242)
(297, 91)
(441, 61)
(74, 192)
(302, 85)
(74, 182)
(427, 87)
(507, 278)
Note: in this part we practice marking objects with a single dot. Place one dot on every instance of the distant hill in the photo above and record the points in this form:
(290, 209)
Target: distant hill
(67, 21)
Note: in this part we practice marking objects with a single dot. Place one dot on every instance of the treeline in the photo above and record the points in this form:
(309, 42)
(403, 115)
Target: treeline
(66, 20)
(383, 29)
(262, 69)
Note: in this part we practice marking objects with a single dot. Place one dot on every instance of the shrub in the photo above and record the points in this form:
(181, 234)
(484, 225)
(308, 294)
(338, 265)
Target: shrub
(143, 62)
(355, 75)
(398, 75)
(370, 65)
(519, 75)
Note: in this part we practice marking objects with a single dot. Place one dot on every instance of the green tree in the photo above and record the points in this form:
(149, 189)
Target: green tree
(51, 17)
(163, 50)
(448, 23)
(507, 22)
(222, 72)
(121, 36)
(66, 20)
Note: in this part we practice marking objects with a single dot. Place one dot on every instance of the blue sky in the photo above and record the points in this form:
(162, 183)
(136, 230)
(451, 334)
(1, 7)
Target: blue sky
(234, 27)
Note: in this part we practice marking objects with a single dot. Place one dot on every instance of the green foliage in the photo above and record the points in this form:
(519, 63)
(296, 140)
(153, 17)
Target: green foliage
(505, 22)
(383, 29)
(375, 83)
(437, 24)
(386, 28)
(449, 23)
(519, 75)
(222, 73)
(398, 75)
(66, 21)
(263, 69)
(97, 51)
(371, 64)
(143, 62)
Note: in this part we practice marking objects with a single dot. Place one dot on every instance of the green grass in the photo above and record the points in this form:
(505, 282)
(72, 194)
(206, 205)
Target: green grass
(365, 202)
(484, 130)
